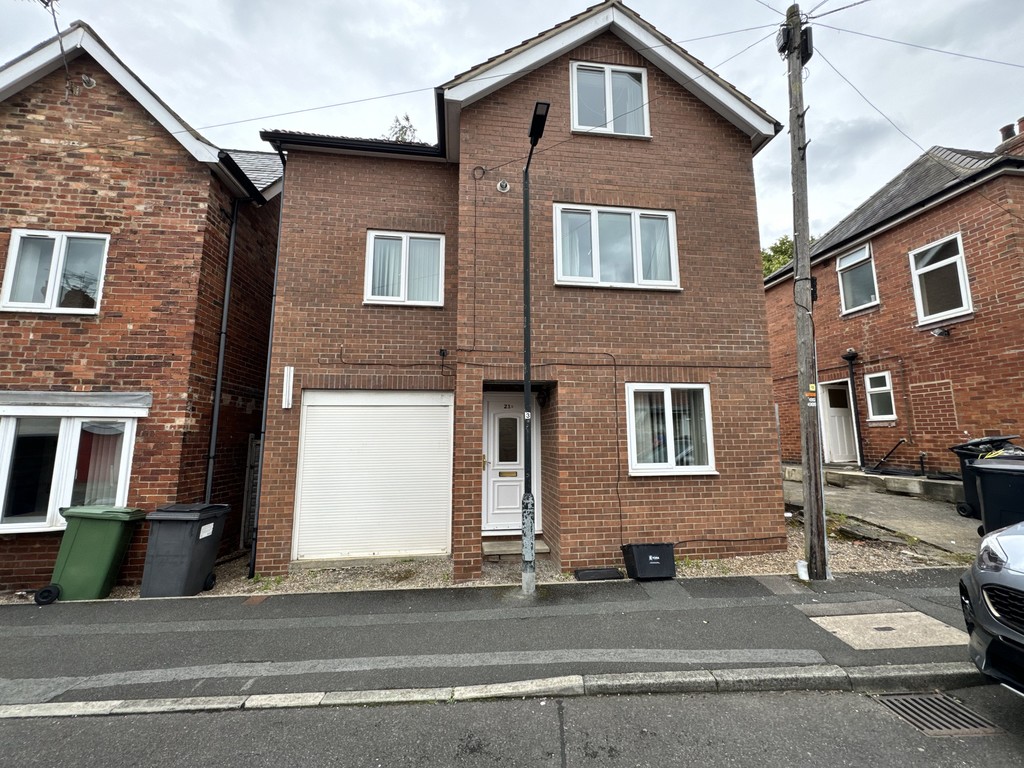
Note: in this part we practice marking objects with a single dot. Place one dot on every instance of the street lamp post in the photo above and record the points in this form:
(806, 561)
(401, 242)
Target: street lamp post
(540, 116)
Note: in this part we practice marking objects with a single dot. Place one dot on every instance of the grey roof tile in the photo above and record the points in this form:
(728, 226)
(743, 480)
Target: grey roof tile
(262, 168)
(936, 170)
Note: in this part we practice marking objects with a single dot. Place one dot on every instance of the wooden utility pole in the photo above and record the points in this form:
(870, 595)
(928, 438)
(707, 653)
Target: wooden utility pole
(795, 44)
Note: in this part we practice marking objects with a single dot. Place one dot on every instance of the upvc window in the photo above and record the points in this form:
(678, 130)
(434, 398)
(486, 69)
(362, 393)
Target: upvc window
(940, 280)
(49, 461)
(669, 429)
(404, 268)
(857, 285)
(881, 406)
(609, 99)
(619, 247)
(54, 272)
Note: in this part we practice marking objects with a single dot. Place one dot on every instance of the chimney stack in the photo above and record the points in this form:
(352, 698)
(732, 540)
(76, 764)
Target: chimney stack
(1012, 141)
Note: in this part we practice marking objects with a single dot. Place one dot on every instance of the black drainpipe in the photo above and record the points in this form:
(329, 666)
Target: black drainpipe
(266, 380)
(850, 356)
(211, 455)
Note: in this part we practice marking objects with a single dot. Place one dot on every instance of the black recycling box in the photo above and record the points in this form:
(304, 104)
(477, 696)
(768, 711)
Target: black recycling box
(649, 561)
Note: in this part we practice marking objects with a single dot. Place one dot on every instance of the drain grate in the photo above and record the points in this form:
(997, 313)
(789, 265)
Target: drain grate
(936, 714)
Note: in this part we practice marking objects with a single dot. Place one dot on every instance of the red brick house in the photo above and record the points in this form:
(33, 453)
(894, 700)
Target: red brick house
(919, 320)
(118, 227)
(395, 411)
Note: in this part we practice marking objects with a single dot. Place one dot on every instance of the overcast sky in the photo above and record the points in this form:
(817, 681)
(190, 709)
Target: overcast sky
(221, 61)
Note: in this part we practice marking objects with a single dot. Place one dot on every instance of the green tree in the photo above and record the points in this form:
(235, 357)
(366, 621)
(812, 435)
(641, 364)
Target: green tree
(777, 255)
(402, 130)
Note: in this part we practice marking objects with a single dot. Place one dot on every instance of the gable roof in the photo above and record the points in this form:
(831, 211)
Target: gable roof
(80, 39)
(939, 173)
(505, 68)
(609, 16)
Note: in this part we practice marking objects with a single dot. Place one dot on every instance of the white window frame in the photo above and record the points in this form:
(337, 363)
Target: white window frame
(609, 126)
(669, 467)
(68, 437)
(854, 259)
(636, 214)
(369, 298)
(869, 390)
(961, 268)
(60, 247)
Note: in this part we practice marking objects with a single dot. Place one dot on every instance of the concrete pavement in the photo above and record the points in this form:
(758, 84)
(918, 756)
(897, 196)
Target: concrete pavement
(862, 632)
(865, 633)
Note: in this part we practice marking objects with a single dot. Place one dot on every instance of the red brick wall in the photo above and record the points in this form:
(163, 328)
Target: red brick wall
(946, 389)
(321, 326)
(590, 341)
(73, 167)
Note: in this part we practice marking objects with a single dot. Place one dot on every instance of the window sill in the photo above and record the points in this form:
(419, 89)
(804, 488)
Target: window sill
(576, 131)
(882, 422)
(51, 311)
(860, 310)
(934, 322)
(380, 303)
(618, 286)
(12, 529)
(678, 472)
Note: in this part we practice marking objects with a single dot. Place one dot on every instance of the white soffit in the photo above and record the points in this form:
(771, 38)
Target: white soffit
(706, 87)
(43, 60)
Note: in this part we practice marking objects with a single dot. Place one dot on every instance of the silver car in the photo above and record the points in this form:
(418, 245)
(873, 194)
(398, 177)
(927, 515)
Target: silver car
(992, 598)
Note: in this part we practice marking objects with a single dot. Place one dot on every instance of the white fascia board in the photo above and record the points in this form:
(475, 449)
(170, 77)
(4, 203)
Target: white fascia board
(29, 69)
(705, 87)
(273, 190)
(38, 64)
(200, 150)
(717, 96)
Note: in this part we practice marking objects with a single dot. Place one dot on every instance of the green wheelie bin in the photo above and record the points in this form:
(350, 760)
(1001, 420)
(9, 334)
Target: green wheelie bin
(91, 552)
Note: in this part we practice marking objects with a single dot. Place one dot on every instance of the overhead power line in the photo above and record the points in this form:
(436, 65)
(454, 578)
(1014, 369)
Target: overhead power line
(910, 138)
(923, 47)
(380, 97)
(835, 10)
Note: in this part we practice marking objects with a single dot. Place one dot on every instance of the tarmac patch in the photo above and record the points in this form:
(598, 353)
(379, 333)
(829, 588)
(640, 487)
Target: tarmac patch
(876, 631)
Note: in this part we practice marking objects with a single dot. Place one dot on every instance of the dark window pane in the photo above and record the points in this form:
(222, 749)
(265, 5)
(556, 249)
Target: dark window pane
(650, 427)
(508, 440)
(690, 425)
(27, 499)
(940, 290)
(858, 285)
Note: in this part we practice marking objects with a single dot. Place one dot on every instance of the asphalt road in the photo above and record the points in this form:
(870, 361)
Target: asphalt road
(787, 730)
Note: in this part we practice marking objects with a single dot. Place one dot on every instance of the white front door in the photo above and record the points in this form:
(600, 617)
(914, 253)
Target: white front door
(504, 463)
(837, 416)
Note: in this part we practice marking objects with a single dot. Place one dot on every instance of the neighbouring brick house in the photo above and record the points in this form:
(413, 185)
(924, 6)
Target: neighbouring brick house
(922, 288)
(116, 224)
(395, 416)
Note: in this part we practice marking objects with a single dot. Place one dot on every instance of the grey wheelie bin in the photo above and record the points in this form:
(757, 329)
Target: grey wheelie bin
(1000, 491)
(91, 551)
(970, 452)
(183, 544)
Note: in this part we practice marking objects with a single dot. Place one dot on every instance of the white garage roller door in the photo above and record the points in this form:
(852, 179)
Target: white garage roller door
(375, 475)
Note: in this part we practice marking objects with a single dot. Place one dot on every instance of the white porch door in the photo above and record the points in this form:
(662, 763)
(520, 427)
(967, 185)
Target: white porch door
(504, 464)
(840, 435)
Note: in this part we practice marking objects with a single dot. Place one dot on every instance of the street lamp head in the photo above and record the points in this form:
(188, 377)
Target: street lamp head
(540, 116)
